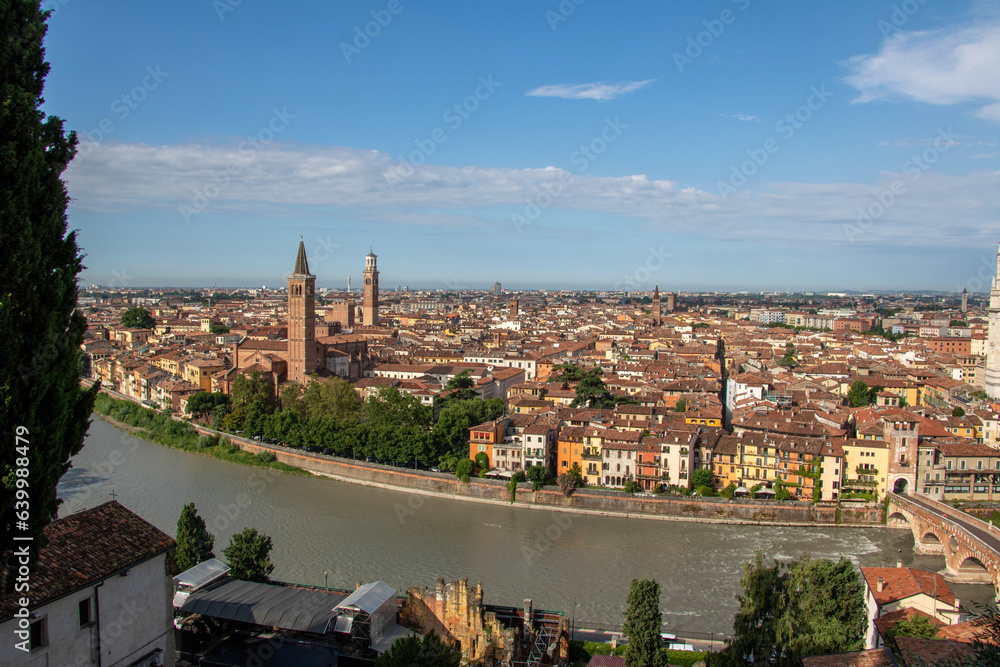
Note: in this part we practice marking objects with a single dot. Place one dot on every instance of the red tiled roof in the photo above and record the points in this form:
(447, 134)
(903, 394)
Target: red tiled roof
(85, 548)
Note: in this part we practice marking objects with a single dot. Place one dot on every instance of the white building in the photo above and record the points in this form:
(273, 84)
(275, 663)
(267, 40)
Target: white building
(993, 338)
(99, 595)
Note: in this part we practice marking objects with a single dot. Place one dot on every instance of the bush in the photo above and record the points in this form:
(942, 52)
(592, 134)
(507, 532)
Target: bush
(632, 486)
(266, 457)
(729, 491)
(464, 469)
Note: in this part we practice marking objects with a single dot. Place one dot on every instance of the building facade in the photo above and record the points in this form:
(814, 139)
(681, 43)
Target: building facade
(369, 301)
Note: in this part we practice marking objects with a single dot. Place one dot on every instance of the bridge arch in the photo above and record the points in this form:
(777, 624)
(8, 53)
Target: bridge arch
(930, 538)
(972, 565)
(899, 516)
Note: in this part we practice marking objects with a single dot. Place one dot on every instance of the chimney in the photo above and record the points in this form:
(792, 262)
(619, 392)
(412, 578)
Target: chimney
(879, 585)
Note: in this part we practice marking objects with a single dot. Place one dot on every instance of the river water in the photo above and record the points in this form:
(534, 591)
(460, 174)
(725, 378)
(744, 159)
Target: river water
(324, 530)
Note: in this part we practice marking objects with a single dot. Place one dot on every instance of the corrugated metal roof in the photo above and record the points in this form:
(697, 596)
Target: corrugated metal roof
(267, 605)
(369, 597)
(201, 574)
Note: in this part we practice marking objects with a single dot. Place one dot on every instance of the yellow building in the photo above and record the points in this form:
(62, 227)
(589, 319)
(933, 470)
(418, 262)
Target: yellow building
(866, 463)
(200, 371)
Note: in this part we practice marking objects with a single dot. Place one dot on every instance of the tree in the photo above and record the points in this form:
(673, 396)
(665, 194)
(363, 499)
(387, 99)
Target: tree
(194, 542)
(781, 492)
(810, 607)
(915, 626)
(570, 480)
(539, 476)
(253, 395)
(451, 432)
(857, 396)
(642, 625)
(206, 401)
(219, 329)
(459, 388)
(137, 316)
(702, 477)
(958, 411)
(414, 651)
(464, 469)
(388, 405)
(482, 461)
(43, 410)
(681, 405)
(249, 556)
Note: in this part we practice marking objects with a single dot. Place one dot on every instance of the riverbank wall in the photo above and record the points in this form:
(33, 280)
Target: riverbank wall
(589, 501)
(585, 500)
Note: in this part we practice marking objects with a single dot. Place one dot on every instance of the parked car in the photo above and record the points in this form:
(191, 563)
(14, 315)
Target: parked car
(667, 638)
(681, 647)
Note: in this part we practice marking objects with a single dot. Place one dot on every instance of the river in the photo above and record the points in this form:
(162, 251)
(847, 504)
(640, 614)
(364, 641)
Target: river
(324, 530)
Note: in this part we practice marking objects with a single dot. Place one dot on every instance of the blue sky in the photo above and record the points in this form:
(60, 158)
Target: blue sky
(728, 145)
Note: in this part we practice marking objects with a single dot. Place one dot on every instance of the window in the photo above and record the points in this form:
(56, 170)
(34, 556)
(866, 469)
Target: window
(84, 612)
(39, 634)
(963, 464)
(482, 448)
(979, 464)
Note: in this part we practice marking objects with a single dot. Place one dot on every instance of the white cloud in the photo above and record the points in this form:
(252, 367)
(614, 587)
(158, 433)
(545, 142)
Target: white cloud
(984, 156)
(602, 91)
(946, 66)
(287, 180)
(744, 117)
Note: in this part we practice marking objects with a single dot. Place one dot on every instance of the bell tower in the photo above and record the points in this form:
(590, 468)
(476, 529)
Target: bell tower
(657, 308)
(993, 339)
(369, 300)
(301, 319)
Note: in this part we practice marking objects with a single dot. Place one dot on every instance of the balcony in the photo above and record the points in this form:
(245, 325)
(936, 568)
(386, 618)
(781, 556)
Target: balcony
(867, 471)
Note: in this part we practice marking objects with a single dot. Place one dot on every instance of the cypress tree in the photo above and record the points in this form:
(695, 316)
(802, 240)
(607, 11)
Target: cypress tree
(40, 330)
(194, 542)
(642, 625)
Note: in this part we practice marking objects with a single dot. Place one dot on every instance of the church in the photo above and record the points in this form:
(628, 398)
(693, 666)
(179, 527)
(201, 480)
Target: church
(309, 348)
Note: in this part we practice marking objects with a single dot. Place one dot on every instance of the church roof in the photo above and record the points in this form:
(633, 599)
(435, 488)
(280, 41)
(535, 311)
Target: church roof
(301, 263)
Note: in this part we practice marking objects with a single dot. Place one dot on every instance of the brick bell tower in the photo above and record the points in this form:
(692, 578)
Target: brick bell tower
(369, 299)
(657, 308)
(301, 319)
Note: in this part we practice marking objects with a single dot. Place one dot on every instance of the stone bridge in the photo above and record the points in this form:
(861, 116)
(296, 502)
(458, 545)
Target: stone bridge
(971, 548)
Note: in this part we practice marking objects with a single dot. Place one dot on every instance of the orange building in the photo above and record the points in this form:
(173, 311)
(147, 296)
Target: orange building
(484, 437)
(569, 449)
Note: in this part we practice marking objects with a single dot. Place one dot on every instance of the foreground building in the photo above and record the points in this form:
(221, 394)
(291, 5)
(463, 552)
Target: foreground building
(100, 595)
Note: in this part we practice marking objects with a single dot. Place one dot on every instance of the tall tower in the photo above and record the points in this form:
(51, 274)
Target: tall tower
(513, 308)
(671, 302)
(965, 300)
(903, 438)
(993, 339)
(369, 301)
(301, 319)
(657, 310)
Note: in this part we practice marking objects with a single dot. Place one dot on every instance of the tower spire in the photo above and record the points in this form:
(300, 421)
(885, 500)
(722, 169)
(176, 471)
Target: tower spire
(301, 263)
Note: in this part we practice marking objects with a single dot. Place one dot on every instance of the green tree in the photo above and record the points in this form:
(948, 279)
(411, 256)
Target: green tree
(591, 392)
(137, 316)
(459, 388)
(194, 542)
(206, 401)
(388, 405)
(464, 469)
(915, 626)
(781, 492)
(40, 396)
(219, 329)
(539, 476)
(570, 480)
(482, 461)
(681, 405)
(415, 651)
(566, 372)
(249, 556)
(451, 432)
(702, 477)
(330, 397)
(253, 395)
(810, 607)
(857, 396)
(642, 625)
(958, 411)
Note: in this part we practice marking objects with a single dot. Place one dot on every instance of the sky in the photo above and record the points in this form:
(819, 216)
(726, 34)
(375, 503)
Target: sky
(573, 144)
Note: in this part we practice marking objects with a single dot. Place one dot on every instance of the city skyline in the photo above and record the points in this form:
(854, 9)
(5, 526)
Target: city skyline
(732, 147)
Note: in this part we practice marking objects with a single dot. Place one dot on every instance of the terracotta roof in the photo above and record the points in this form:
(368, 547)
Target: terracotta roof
(85, 548)
(931, 652)
(903, 582)
(875, 658)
